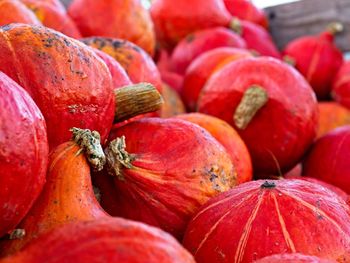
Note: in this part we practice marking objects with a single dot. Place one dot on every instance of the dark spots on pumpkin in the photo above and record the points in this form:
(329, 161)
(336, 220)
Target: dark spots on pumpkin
(55, 202)
(48, 42)
(190, 38)
(194, 170)
(66, 42)
(6, 27)
(118, 44)
(136, 48)
(317, 210)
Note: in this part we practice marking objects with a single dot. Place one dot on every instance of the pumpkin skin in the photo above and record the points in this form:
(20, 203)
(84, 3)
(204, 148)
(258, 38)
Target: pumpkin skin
(13, 11)
(119, 76)
(332, 115)
(200, 42)
(104, 240)
(318, 59)
(69, 83)
(246, 10)
(203, 67)
(172, 105)
(293, 258)
(328, 159)
(282, 130)
(53, 17)
(341, 85)
(262, 218)
(67, 197)
(137, 63)
(229, 138)
(256, 37)
(23, 153)
(173, 21)
(126, 19)
(174, 171)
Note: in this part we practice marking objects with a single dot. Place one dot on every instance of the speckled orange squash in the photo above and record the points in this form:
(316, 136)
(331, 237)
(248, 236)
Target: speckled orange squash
(69, 83)
(14, 11)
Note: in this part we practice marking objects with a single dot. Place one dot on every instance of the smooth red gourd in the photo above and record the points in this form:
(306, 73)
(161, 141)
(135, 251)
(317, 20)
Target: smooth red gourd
(52, 16)
(23, 153)
(124, 19)
(246, 10)
(341, 85)
(137, 63)
(67, 196)
(200, 42)
(293, 258)
(256, 37)
(167, 169)
(271, 106)
(203, 67)
(229, 138)
(69, 83)
(332, 115)
(104, 240)
(174, 20)
(318, 59)
(262, 218)
(14, 11)
(328, 159)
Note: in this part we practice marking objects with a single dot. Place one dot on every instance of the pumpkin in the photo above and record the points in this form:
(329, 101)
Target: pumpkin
(328, 159)
(246, 10)
(271, 106)
(317, 58)
(163, 171)
(262, 218)
(23, 153)
(68, 195)
(200, 42)
(229, 138)
(126, 19)
(341, 85)
(104, 240)
(172, 105)
(174, 20)
(13, 11)
(203, 67)
(293, 258)
(332, 115)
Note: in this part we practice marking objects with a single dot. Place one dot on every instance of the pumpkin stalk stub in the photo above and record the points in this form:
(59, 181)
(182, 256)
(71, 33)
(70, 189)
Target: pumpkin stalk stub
(136, 99)
(335, 28)
(90, 143)
(253, 100)
(236, 26)
(17, 233)
(118, 157)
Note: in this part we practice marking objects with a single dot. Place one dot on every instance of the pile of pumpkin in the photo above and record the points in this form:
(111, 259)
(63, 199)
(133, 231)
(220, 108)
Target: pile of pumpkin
(100, 163)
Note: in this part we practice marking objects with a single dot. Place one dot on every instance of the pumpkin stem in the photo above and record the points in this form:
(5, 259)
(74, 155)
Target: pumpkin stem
(289, 60)
(335, 28)
(254, 98)
(136, 99)
(236, 26)
(118, 157)
(90, 143)
(18, 233)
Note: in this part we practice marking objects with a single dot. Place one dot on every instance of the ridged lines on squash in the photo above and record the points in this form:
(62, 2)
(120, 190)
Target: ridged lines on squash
(285, 232)
(313, 64)
(246, 231)
(211, 230)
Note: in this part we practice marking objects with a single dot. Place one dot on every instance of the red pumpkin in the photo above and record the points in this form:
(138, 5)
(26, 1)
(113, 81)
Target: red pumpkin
(229, 138)
(125, 19)
(172, 105)
(168, 168)
(119, 76)
(262, 218)
(203, 67)
(332, 115)
(23, 153)
(13, 11)
(256, 37)
(136, 62)
(271, 106)
(53, 17)
(107, 240)
(318, 59)
(293, 258)
(174, 20)
(341, 85)
(246, 10)
(69, 83)
(328, 159)
(200, 42)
